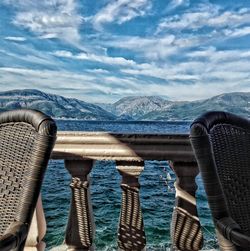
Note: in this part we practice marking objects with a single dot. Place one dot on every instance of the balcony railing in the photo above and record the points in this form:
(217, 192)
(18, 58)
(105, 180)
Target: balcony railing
(79, 150)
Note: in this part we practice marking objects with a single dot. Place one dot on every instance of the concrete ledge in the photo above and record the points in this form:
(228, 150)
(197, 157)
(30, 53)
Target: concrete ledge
(128, 147)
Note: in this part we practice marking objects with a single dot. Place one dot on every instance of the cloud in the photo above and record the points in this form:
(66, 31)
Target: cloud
(96, 58)
(189, 57)
(83, 83)
(98, 71)
(201, 74)
(48, 19)
(205, 15)
(168, 73)
(25, 53)
(121, 11)
(177, 3)
(169, 40)
(240, 32)
(154, 48)
(15, 39)
(214, 55)
(212, 71)
(204, 68)
(48, 36)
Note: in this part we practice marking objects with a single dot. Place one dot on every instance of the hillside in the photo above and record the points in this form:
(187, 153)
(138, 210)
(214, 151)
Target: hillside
(237, 102)
(159, 109)
(135, 107)
(53, 105)
(127, 108)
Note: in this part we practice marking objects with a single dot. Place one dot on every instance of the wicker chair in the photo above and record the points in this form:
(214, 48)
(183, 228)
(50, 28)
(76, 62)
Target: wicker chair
(26, 140)
(221, 143)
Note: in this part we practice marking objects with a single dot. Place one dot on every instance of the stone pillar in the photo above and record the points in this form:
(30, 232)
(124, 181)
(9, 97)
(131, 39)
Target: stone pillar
(80, 228)
(131, 235)
(185, 227)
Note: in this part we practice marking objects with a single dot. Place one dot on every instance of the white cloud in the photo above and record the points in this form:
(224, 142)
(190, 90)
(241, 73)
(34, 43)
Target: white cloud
(98, 71)
(20, 78)
(177, 3)
(65, 54)
(47, 74)
(15, 39)
(48, 36)
(121, 11)
(209, 15)
(140, 43)
(162, 46)
(222, 56)
(83, 83)
(202, 53)
(174, 72)
(96, 58)
(204, 73)
(36, 58)
(27, 53)
(181, 65)
(239, 32)
(205, 69)
(191, 20)
(48, 19)
(229, 18)
(154, 48)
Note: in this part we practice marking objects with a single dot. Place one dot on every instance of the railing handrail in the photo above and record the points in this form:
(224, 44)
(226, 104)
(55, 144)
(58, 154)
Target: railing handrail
(122, 146)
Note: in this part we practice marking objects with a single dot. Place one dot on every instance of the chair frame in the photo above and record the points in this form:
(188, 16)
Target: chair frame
(204, 153)
(44, 128)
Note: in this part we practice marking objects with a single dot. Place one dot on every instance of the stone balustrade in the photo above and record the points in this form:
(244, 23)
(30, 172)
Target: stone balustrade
(129, 151)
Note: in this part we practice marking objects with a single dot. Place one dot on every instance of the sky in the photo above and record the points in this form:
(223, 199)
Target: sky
(103, 50)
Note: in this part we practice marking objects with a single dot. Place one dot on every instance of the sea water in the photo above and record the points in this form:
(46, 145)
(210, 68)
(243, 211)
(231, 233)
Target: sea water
(157, 197)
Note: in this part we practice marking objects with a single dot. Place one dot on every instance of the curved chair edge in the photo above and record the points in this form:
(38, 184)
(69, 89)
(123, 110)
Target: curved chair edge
(232, 231)
(209, 119)
(41, 122)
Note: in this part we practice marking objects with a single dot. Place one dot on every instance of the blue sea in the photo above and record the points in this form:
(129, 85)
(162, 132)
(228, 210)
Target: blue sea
(157, 197)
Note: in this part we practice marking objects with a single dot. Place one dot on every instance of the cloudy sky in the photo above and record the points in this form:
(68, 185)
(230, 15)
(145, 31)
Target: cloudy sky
(102, 50)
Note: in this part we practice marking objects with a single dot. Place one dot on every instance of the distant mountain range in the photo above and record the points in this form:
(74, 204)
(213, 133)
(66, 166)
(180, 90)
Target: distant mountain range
(156, 108)
(127, 108)
(137, 107)
(53, 105)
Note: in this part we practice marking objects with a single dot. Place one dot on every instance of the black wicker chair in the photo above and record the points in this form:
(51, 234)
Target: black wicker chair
(221, 143)
(26, 140)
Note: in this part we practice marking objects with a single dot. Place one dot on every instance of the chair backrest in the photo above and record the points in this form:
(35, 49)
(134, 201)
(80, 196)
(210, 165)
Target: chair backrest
(221, 143)
(26, 140)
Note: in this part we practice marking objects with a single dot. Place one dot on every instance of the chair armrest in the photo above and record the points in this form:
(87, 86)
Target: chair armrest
(232, 232)
(14, 236)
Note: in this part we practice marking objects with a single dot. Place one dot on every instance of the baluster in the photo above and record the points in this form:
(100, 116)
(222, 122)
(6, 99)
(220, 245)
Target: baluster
(80, 227)
(131, 235)
(185, 227)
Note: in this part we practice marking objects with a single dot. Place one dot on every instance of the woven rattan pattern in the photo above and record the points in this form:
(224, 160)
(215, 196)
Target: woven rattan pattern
(16, 142)
(231, 147)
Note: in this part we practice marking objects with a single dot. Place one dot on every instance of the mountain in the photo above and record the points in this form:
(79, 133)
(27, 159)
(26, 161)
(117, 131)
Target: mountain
(237, 102)
(53, 105)
(159, 109)
(127, 108)
(136, 107)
